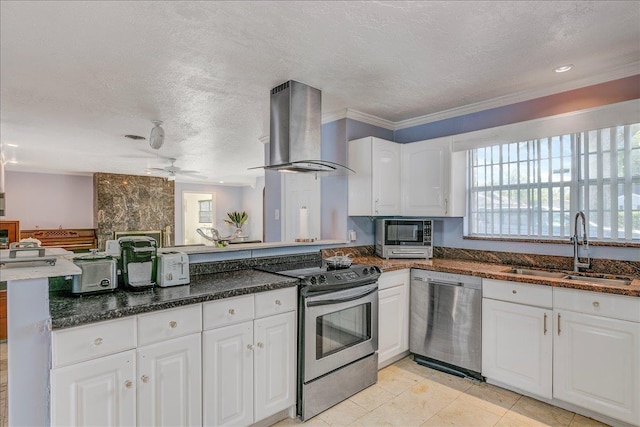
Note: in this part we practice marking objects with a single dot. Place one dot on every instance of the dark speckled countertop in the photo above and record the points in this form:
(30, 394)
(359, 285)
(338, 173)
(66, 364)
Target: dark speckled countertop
(68, 311)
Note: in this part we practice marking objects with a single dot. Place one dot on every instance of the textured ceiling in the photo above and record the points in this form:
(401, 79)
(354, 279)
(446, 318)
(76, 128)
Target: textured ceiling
(77, 76)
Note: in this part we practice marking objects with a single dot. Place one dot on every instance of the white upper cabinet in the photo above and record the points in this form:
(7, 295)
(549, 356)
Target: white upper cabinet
(423, 178)
(433, 179)
(375, 187)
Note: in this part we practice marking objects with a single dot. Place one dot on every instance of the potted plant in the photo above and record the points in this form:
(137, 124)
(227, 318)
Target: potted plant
(237, 219)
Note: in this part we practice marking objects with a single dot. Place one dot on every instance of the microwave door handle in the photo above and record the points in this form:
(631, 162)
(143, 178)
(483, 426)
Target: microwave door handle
(330, 301)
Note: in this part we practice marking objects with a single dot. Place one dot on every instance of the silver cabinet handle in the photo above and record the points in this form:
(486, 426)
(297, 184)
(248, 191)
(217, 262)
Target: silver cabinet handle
(376, 206)
(545, 324)
(173, 324)
(232, 311)
(260, 345)
(128, 384)
(250, 346)
(446, 206)
(144, 378)
(515, 292)
(559, 324)
(278, 302)
(596, 304)
(98, 341)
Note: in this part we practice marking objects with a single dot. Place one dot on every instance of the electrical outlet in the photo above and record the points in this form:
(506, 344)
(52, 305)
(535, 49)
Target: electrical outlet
(352, 235)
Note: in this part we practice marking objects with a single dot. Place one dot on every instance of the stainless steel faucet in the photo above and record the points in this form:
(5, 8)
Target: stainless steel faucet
(576, 261)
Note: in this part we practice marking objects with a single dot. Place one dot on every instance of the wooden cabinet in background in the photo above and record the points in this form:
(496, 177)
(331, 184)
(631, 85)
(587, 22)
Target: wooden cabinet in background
(12, 233)
(80, 239)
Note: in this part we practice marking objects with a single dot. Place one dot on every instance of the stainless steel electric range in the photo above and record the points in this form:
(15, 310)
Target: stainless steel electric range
(337, 335)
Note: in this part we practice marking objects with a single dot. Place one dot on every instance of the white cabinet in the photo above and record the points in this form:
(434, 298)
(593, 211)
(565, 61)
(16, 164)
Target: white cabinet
(597, 357)
(249, 368)
(169, 387)
(374, 189)
(393, 316)
(157, 384)
(95, 392)
(585, 351)
(228, 375)
(517, 338)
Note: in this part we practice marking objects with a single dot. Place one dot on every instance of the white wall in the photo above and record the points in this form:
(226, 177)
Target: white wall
(252, 198)
(49, 200)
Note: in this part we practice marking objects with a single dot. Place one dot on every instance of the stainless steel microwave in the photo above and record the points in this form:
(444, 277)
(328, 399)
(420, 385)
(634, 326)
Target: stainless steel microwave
(404, 238)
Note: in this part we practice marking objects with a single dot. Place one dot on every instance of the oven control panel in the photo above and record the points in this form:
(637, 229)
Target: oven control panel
(355, 275)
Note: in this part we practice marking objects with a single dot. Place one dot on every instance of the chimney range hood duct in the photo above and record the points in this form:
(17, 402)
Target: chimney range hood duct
(295, 138)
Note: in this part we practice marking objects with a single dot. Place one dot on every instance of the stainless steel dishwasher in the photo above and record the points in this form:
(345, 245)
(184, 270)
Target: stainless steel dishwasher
(445, 330)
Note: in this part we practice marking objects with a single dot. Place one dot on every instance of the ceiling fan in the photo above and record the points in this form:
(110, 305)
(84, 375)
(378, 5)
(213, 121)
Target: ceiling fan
(172, 170)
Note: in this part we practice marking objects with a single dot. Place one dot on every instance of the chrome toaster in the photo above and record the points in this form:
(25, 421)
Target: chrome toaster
(98, 274)
(173, 269)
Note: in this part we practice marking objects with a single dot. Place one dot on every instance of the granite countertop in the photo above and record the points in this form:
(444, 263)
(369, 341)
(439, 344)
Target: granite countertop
(497, 272)
(68, 311)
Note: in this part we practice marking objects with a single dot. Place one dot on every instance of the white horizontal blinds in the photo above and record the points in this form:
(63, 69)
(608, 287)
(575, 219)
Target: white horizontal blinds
(533, 188)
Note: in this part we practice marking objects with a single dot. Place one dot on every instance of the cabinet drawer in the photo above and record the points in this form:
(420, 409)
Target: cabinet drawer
(389, 279)
(167, 324)
(521, 293)
(274, 302)
(597, 303)
(91, 341)
(227, 311)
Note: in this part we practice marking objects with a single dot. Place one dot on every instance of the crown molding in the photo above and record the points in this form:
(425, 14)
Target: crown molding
(614, 74)
(349, 113)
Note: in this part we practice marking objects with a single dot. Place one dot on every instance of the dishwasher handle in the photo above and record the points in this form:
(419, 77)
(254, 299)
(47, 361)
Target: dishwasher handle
(437, 281)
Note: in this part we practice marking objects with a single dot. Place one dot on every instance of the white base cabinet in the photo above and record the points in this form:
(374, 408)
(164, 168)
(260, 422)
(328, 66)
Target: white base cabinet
(169, 387)
(596, 359)
(517, 345)
(249, 368)
(393, 316)
(96, 392)
(585, 352)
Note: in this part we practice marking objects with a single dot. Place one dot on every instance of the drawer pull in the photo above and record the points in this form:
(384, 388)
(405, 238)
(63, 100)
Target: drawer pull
(250, 346)
(596, 304)
(145, 379)
(128, 384)
(514, 291)
(278, 302)
(232, 311)
(98, 341)
(260, 345)
(173, 324)
(545, 324)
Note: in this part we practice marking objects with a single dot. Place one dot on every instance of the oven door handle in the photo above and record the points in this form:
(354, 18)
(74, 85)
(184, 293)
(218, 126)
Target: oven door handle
(339, 300)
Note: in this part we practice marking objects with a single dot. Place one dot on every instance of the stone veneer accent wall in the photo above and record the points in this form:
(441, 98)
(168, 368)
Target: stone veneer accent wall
(132, 203)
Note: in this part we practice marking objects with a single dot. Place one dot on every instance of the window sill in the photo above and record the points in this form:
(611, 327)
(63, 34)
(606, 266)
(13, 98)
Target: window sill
(634, 244)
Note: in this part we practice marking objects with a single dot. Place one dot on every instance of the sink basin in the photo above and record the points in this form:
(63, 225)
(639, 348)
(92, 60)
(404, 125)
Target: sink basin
(539, 273)
(598, 280)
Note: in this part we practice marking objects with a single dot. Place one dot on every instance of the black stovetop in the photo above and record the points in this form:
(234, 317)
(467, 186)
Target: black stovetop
(321, 277)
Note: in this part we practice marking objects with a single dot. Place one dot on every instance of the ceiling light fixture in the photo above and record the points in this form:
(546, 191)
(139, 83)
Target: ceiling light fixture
(563, 68)
(157, 135)
(10, 145)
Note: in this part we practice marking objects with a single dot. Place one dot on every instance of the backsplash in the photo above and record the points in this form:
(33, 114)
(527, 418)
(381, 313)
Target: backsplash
(131, 203)
(605, 266)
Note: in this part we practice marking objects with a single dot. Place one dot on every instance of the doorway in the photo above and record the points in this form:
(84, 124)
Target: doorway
(198, 210)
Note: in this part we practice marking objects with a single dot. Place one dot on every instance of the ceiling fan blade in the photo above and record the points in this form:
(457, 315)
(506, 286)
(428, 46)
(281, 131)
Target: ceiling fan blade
(157, 169)
(186, 171)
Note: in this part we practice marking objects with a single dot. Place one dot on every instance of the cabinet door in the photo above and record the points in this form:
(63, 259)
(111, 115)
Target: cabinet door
(169, 383)
(386, 177)
(597, 364)
(517, 345)
(99, 392)
(227, 364)
(425, 177)
(275, 364)
(392, 320)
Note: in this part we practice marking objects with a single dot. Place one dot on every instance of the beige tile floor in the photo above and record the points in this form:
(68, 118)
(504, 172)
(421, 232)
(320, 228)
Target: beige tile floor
(408, 394)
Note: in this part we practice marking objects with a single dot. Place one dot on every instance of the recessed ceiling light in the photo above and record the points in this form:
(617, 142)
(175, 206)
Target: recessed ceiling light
(13, 162)
(11, 145)
(136, 137)
(221, 182)
(563, 68)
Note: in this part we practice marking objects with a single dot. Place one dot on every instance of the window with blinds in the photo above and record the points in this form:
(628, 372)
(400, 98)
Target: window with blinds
(534, 188)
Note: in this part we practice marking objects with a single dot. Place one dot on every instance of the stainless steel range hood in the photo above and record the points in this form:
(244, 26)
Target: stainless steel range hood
(295, 138)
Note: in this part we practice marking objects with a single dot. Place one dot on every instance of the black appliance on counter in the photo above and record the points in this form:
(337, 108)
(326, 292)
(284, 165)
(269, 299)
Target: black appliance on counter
(337, 334)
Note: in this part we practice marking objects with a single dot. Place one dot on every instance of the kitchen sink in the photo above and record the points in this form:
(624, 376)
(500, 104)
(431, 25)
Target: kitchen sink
(598, 280)
(539, 273)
